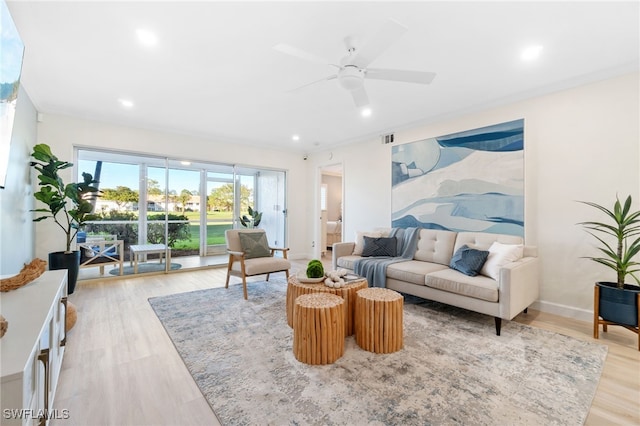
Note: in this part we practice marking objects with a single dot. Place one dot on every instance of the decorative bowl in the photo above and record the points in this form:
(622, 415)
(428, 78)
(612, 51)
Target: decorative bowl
(302, 277)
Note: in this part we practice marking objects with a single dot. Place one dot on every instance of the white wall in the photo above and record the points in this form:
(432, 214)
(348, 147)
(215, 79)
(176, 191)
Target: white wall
(16, 199)
(62, 133)
(580, 144)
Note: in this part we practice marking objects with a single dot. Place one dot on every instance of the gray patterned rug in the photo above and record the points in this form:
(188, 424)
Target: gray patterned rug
(452, 370)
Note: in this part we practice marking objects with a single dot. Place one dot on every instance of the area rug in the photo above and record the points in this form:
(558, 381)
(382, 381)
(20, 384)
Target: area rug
(453, 369)
(145, 268)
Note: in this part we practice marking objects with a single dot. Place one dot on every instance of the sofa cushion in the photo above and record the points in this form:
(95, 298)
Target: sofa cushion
(435, 246)
(412, 271)
(469, 261)
(357, 250)
(383, 246)
(262, 265)
(478, 287)
(499, 255)
(347, 261)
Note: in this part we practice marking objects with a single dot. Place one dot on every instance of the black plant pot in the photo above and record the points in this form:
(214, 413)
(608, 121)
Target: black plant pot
(619, 305)
(68, 261)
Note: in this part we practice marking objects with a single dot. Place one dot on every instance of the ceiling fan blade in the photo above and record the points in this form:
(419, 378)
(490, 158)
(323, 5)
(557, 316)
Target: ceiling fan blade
(421, 77)
(388, 34)
(299, 53)
(297, 89)
(360, 97)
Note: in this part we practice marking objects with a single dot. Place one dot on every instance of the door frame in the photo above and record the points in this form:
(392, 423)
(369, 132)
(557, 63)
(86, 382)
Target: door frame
(339, 169)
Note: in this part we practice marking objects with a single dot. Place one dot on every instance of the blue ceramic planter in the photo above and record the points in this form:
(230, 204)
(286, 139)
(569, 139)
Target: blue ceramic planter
(619, 305)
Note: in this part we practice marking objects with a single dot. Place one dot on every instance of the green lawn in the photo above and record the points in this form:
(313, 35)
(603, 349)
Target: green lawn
(211, 216)
(215, 235)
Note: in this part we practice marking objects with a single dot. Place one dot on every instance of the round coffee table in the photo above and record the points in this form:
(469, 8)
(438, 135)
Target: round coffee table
(296, 288)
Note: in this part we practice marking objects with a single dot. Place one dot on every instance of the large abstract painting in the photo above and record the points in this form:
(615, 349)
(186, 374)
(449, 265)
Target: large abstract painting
(467, 181)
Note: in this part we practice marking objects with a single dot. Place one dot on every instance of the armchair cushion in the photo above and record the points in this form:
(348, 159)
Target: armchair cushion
(254, 244)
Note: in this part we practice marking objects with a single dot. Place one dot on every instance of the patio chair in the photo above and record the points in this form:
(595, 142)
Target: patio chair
(250, 254)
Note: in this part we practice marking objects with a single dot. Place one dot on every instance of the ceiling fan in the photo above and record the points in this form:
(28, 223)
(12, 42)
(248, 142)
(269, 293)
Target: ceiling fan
(354, 67)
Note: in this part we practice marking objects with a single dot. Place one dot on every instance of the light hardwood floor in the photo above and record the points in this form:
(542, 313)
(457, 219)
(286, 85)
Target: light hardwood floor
(120, 367)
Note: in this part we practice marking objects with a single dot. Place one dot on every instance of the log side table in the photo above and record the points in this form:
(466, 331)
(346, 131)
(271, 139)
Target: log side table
(295, 288)
(318, 328)
(378, 320)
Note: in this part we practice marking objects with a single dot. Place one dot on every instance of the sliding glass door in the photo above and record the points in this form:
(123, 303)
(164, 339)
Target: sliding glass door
(220, 201)
(186, 205)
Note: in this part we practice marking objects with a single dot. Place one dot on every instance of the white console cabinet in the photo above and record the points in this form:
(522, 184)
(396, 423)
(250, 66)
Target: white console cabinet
(32, 349)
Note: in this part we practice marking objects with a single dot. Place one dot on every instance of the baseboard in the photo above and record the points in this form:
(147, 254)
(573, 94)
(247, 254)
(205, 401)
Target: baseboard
(563, 310)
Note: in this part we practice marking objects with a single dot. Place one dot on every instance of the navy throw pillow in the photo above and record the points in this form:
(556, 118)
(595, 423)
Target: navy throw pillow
(468, 261)
(383, 246)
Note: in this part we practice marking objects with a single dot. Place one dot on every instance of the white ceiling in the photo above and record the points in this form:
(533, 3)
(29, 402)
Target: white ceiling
(214, 72)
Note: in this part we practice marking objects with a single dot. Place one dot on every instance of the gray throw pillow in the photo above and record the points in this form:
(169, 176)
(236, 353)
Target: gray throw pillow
(383, 246)
(254, 244)
(468, 261)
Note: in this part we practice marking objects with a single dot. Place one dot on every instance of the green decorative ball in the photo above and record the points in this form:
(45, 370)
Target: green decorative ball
(315, 269)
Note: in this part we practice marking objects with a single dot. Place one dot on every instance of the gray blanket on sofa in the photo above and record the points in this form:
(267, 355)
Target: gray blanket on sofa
(374, 269)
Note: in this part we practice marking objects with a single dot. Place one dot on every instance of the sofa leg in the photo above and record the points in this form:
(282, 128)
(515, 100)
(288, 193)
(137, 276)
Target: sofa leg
(498, 325)
(525, 310)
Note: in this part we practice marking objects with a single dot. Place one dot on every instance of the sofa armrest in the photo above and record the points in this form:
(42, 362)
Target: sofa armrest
(519, 286)
(340, 249)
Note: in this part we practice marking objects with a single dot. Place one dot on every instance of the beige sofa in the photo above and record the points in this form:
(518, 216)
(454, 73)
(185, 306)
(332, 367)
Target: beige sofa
(429, 276)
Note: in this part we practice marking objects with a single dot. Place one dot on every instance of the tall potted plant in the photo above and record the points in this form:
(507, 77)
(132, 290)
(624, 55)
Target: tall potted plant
(617, 302)
(68, 205)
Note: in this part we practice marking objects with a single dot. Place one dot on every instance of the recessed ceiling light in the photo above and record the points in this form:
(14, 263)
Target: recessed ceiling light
(295, 137)
(531, 53)
(126, 103)
(366, 112)
(146, 37)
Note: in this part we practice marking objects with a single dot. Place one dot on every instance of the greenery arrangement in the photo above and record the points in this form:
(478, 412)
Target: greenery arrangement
(69, 205)
(315, 269)
(251, 221)
(625, 229)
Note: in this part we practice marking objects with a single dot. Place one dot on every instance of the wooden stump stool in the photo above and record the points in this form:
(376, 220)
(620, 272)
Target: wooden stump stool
(379, 320)
(318, 328)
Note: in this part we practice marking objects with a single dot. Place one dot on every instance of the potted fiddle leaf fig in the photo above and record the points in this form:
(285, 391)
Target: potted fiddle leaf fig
(68, 205)
(617, 302)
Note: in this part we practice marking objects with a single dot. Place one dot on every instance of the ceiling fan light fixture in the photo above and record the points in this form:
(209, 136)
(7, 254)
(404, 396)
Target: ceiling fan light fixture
(351, 78)
(366, 112)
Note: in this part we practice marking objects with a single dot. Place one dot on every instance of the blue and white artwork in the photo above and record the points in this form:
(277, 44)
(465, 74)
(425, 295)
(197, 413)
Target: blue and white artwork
(467, 181)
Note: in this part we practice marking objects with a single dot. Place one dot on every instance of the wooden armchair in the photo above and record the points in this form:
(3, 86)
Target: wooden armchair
(250, 254)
